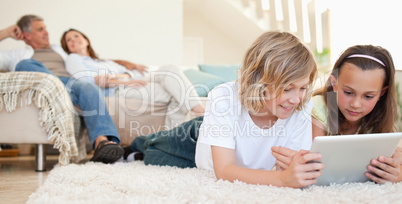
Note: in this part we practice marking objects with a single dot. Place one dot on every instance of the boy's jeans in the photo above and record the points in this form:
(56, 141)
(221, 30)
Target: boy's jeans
(175, 147)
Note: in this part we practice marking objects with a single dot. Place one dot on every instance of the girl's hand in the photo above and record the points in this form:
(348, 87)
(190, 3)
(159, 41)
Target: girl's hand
(301, 173)
(136, 83)
(384, 169)
(284, 156)
(398, 155)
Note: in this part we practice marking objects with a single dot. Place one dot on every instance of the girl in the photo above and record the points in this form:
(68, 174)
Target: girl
(268, 106)
(359, 97)
(166, 85)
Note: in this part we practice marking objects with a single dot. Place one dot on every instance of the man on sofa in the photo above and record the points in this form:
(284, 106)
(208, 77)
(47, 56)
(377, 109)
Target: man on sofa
(40, 56)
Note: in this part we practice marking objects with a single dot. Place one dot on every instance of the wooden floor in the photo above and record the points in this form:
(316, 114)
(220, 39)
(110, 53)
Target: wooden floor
(18, 178)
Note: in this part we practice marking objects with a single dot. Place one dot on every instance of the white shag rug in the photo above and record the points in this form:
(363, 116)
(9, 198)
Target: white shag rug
(135, 182)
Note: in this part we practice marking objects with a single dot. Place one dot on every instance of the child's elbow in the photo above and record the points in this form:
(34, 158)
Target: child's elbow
(218, 173)
(223, 173)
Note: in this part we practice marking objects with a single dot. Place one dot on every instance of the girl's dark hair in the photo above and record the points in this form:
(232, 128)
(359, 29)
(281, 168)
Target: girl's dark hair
(382, 117)
(65, 48)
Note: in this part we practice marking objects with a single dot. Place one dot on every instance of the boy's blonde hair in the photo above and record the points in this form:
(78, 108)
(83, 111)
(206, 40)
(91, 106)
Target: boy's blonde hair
(275, 60)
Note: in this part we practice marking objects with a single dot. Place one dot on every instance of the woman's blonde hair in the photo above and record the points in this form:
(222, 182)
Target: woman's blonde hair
(274, 60)
(383, 116)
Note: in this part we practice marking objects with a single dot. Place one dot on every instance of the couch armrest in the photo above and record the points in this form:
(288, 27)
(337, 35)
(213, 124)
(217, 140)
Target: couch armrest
(48, 93)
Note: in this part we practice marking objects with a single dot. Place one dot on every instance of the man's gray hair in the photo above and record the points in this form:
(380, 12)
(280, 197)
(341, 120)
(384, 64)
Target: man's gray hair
(25, 22)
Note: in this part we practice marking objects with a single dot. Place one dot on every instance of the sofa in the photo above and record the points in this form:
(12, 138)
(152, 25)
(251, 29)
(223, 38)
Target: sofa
(32, 111)
(134, 117)
(36, 109)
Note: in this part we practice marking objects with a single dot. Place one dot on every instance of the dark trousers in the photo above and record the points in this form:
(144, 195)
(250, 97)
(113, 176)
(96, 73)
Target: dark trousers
(175, 147)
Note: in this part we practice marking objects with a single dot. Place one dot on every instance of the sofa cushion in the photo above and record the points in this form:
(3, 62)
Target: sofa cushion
(226, 72)
(203, 82)
(135, 117)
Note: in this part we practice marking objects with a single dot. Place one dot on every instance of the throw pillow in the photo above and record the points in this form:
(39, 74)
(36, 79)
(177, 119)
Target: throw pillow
(203, 82)
(227, 72)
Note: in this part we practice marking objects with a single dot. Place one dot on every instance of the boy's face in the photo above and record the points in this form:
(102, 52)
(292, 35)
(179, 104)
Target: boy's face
(283, 106)
(358, 91)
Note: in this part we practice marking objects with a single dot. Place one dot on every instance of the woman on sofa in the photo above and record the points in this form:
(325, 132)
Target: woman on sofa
(167, 85)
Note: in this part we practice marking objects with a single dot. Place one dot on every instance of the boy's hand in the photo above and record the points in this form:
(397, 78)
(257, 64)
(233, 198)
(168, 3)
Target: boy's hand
(284, 156)
(301, 173)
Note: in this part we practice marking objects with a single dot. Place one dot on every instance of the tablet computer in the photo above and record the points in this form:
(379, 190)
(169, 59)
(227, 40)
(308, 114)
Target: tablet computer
(346, 156)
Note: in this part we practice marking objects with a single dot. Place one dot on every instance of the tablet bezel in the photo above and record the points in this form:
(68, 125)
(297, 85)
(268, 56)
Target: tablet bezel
(346, 156)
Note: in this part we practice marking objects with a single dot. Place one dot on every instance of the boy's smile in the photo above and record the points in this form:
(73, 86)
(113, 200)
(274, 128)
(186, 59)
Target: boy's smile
(283, 106)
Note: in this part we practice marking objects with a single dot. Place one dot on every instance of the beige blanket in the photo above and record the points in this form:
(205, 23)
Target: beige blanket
(48, 93)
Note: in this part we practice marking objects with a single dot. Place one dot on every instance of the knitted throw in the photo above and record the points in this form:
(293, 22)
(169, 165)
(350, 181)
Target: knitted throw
(48, 93)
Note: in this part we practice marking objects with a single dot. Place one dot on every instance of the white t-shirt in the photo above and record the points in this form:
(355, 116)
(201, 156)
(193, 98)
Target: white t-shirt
(228, 124)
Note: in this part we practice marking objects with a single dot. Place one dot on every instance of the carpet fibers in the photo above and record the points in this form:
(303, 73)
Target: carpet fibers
(135, 182)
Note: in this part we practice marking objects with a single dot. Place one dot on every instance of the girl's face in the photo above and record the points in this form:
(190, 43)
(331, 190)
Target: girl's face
(358, 91)
(76, 43)
(283, 106)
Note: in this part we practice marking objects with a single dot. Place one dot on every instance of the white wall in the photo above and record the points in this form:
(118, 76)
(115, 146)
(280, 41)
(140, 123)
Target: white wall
(219, 46)
(143, 31)
(366, 22)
